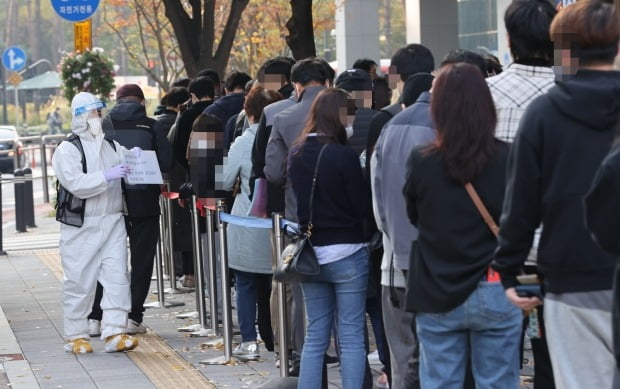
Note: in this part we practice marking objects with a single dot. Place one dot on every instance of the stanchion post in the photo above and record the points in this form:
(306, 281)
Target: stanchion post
(281, 295)
(2, 252)
(212, 271)
(28, 198)
(198, 272)
(159, 268)
(20, 216)
(170, 242)
(227, 308)
(227, 358)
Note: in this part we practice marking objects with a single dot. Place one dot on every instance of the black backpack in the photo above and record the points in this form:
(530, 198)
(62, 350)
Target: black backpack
(70, 208)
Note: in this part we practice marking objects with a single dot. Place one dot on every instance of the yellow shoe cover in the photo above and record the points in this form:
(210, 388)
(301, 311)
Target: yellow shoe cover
(120, 342)
(79, 346)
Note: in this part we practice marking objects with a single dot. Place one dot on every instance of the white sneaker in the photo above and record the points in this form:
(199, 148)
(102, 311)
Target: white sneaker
(94, 328)
(120, 342)
(248, 351)
(134, 327)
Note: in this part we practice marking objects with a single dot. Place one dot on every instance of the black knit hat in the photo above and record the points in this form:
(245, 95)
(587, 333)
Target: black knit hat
(354, 80)
(129, 90)
(414, 86)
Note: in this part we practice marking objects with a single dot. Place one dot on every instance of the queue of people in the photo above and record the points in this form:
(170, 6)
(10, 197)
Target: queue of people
(426, 214)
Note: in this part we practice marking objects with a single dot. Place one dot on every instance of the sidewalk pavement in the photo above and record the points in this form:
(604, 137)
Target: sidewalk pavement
(31, 343)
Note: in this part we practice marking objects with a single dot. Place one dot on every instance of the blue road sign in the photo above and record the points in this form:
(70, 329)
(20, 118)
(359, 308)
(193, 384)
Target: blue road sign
(75, 10)
(14, 58)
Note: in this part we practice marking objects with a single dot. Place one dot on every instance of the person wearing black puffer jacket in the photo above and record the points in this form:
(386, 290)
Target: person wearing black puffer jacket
(562, 139)
(128, 124)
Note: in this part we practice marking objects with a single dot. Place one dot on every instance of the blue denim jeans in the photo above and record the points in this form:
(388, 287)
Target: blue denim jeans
(485, 328)
(340, 289)
(247, 285)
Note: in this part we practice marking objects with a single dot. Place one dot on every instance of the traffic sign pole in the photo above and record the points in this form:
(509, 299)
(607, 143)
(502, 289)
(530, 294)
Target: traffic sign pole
(16, 108)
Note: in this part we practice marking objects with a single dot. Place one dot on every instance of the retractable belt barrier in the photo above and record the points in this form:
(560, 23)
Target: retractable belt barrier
(223, 220)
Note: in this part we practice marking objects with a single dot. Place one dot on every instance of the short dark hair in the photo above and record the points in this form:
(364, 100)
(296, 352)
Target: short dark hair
(235, 80)
(467, 56)
(590, 29)
(184, 82)
(308, 70)
(365, 64)
(257, 99)
(493, 65)
(176, 96)
(330, 73)
(211, 74)
(412, 59)
(277, 65)
(202, 87)
(464, 115)
(414, 86)
(527, 23)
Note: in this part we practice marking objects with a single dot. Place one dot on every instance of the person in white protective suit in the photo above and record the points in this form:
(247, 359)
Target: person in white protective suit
(96, 251)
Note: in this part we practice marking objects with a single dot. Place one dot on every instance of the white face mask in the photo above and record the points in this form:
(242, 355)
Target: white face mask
(94, 125)
(349, 130)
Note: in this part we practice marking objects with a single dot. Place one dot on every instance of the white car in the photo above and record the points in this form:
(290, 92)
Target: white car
(9, 146)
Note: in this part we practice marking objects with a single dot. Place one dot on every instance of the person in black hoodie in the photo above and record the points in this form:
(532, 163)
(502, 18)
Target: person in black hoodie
(173, 101)
(562, 139)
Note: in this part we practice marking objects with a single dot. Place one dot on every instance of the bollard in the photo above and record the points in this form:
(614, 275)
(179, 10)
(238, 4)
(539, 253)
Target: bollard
(46, 194)
(278, 243)
(198, 274)
(2, 252)
(226, 309)
(28, 198)
(20, 211)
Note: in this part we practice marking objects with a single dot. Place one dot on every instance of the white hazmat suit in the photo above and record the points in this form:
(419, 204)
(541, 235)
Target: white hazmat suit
(96, 251)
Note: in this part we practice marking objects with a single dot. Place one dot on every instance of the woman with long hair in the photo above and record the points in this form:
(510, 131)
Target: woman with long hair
(341, 201)
(462, 312)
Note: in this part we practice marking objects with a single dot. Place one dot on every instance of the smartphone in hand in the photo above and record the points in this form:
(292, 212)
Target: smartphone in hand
(529, 291)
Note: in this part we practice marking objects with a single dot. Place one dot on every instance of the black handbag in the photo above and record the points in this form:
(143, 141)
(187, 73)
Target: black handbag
(298, 259)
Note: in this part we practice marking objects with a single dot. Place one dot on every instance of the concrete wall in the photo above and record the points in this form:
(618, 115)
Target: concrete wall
(433, 23)
(357, 31)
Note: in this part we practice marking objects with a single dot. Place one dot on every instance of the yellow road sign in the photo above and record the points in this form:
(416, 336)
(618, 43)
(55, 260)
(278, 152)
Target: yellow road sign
(15, 78)
(82, 32)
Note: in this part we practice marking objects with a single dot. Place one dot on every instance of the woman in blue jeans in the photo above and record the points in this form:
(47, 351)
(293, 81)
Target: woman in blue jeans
(341, 200)
(461, 310)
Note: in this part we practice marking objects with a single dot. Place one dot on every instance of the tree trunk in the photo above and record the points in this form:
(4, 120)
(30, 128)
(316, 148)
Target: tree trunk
(196, 33)
(10, 27)
(301, 32)
(387, 27)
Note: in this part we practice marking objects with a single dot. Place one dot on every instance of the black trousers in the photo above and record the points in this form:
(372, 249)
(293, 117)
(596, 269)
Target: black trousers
(143, 233)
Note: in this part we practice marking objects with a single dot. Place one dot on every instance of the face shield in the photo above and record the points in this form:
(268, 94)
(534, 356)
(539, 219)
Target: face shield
(85, 107)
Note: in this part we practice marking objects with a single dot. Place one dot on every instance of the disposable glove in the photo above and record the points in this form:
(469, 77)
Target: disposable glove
(136, 151)
(186, 190)
(116, 172)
